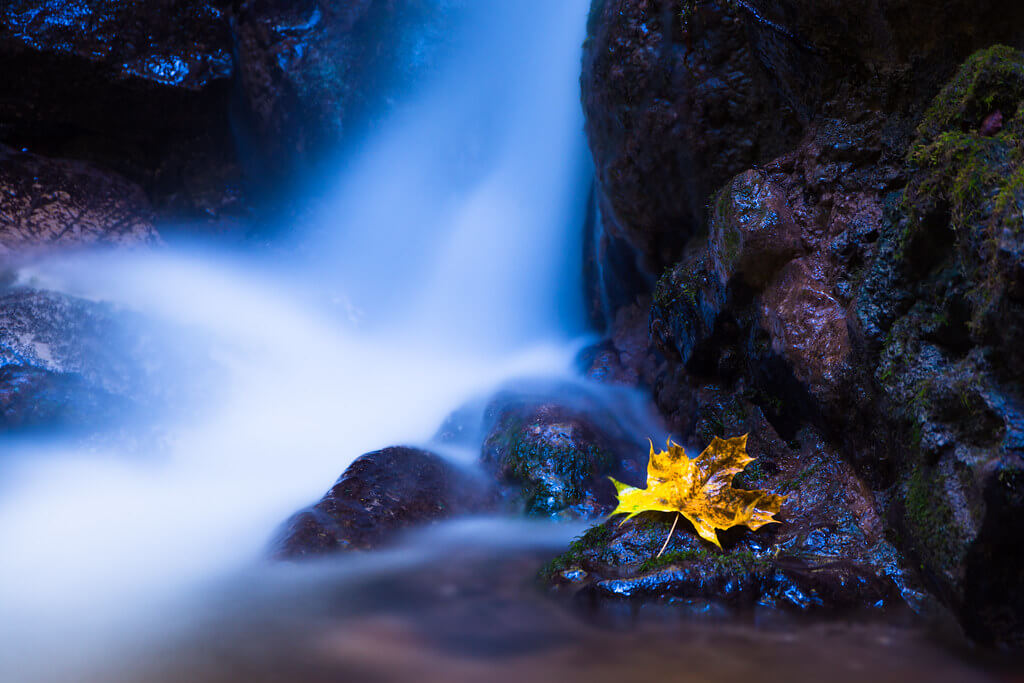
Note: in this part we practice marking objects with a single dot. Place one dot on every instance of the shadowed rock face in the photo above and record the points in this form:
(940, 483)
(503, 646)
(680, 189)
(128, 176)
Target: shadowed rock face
(379, 495)
(210, 106)
(140, 87)
(672, 112)
(681, 95)
(47, 203)
(892, 323)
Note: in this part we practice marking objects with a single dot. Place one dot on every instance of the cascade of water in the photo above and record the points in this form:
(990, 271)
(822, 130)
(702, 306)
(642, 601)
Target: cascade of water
(453, 243)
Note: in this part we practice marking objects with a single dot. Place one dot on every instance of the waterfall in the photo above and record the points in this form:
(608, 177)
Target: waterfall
(445, 260)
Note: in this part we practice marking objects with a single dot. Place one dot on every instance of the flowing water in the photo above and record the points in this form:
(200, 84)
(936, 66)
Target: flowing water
(444, 262)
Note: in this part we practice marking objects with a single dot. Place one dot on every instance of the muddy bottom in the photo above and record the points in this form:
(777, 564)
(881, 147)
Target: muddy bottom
(468, 609)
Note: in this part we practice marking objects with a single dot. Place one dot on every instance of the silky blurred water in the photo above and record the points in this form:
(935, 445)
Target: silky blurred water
(444, 262)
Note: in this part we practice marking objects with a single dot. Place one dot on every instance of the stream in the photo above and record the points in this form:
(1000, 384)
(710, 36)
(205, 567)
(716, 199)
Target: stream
(442, 264)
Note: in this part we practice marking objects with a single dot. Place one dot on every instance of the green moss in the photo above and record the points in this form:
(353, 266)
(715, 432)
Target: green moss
(990, 79)
(802, 476)
(593, 538)
(740, 562)
(680, 557)
(552, 478)
(970, 182)
(930, 520)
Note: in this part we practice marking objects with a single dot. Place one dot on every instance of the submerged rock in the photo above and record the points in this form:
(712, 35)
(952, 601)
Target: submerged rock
(70, 363)
(33, 398)
(380, 495)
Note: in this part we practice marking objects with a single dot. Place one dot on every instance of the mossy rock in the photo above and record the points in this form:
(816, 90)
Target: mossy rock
(554, 453)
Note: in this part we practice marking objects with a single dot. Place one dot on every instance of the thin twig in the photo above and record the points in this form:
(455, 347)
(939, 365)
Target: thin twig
(671, 531)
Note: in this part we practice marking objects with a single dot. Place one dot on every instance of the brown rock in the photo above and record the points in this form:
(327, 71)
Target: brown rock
(807, 325)
(752, 231)
(381, 494)
(57, 203)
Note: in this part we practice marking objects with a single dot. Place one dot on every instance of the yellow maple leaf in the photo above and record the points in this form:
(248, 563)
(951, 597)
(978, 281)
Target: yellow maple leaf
(700, 489)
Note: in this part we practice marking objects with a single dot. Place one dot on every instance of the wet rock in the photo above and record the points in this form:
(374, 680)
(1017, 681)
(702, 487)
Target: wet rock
(140, 87)
(65, 361)
(807, 326)
(555, 452)
(57, 203)
(752, 231)
(828, 553)
(680, 96)
(32, 398)
(380, 495)
(627, 356)
(676, 103)
(945, 313)
(310, 70)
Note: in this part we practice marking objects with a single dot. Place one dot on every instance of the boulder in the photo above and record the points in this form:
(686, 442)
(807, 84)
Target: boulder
(47, 203)
(380, 495)
(311, 72)
(676, 102)
(828, 553)
(142, 88)
(84, 365)
(942, 313)
(554, 453)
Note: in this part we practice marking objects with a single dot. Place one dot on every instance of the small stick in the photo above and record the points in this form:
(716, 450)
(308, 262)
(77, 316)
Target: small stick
(671, 531)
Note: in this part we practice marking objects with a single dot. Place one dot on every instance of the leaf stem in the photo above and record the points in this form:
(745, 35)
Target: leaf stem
(671, 531)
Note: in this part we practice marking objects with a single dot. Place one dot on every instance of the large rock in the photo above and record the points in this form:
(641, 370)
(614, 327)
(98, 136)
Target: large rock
(46, 203)
(941, 311)
(828, 553)
(380, 495)
(681, 95)
(676, 102)
(897, 330)
(141, 87)
(312, 71)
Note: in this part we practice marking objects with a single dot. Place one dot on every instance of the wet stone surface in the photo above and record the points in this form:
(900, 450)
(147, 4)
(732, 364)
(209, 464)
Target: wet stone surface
(380, 495)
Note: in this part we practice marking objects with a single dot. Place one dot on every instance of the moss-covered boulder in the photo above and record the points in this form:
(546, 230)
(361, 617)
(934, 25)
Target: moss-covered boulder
(944, 304)
(828, 553)
(554, 452)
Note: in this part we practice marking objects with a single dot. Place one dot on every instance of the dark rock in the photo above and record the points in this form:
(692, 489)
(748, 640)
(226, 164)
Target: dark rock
(828, 553)
(949, 327)
(57, 203)
(141, 87)
(751, 230)
(310, 70)
(555, 451)
(681, 95)
(68, 362)
(379, 495)
(626, 356)
(32, 398)
(676, 102)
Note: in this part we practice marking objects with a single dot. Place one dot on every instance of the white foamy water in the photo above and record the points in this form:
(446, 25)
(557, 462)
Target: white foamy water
(445, 262)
